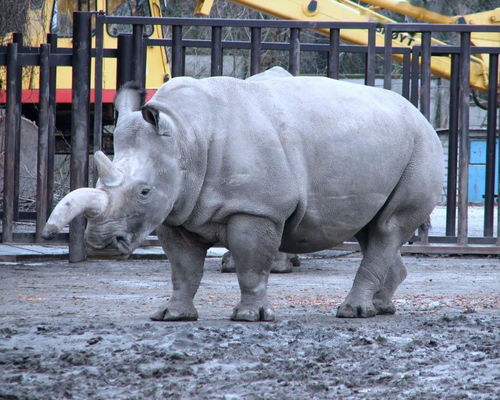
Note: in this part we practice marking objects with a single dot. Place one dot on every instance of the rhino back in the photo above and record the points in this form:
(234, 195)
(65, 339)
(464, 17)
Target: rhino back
(313, 152)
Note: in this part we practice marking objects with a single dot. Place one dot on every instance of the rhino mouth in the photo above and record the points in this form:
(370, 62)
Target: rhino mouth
(122, 244)
(116, 245)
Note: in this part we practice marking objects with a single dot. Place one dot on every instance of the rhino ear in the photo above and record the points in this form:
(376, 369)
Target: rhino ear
(151, 115)
(155, 118)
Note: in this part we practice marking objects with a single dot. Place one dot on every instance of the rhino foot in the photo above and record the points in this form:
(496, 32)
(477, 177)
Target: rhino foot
(252, 314)
(348, 310)
(384, 307)
(172, 312)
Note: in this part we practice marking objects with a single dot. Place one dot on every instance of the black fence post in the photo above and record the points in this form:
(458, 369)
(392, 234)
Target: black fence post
(52, 40)
(43, 141)
(294, 57)
(489, 197)
(464, 143)
(370, 58)
(18, 38)
(334, 54)
(406, 76)
(177, 53)
(138, 55)
(425, 97)
(79, 126)
(256, 49)
(123, 64)
(451, 185)
(217, 54)
(415, 75)
(425, 76)
(10, 143)
(388, 57)
(99, 50)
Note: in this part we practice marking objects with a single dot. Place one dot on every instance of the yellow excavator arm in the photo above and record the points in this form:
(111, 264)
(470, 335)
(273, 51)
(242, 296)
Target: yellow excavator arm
(345, 10)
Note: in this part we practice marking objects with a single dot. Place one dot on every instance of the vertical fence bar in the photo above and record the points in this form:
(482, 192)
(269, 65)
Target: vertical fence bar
(256, 49)
(489, 197)
(138, 58)
(52, 40)
(97, 137)
(18, 38)
(405, 91)
(451, 185)
(425, 77)
(10, 142)
(425, 96)
(334, 54)
(43, 141)
(415, 75)
(216, 55)
(294, 55)
(464, 144)
(388, 57)
(123, 65)
(177, 56)
(370, 58)
(183, 59)
(79, 126)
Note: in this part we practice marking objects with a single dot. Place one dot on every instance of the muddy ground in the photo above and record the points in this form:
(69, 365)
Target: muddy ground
(81, 331)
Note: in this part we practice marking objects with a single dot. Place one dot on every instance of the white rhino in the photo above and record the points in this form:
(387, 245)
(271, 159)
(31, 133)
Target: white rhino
(294, 164)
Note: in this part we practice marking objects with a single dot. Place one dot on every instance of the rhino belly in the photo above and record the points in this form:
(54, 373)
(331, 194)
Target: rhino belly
(330, 221)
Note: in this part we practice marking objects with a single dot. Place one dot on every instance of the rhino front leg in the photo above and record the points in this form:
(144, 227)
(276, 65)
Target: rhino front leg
(254, 243)
(186, 257)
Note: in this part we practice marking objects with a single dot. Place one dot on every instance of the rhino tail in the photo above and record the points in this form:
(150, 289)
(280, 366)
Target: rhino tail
(423, 229)
(426, 226)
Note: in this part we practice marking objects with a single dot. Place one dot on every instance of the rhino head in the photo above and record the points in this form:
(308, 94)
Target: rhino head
(135, 192)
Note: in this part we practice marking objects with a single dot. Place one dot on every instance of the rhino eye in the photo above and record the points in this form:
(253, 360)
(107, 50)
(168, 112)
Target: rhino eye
(144, 193)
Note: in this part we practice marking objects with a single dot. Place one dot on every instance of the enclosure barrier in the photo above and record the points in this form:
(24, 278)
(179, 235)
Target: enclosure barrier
(415, 77)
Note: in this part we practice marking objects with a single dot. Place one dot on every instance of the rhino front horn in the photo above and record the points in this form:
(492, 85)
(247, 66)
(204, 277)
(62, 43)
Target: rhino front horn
(92, 202)
(108, 173)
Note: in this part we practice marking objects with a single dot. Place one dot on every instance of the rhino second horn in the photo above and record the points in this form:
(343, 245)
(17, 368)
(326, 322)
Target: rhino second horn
(92, 202)
(108, 173)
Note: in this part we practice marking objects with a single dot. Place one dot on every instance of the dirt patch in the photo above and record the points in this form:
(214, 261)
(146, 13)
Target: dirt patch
(81, 331)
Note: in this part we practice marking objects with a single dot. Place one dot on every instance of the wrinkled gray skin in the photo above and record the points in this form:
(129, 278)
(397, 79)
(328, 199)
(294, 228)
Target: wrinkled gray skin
(292, 164)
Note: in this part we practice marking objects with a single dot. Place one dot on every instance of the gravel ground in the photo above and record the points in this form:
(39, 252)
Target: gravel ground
(81, 331)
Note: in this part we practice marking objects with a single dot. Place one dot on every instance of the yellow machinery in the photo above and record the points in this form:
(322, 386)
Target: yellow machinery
(345, 10)
(56, 16)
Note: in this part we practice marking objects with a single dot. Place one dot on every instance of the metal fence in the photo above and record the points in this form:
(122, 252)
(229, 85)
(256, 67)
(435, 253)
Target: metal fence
(131, 61)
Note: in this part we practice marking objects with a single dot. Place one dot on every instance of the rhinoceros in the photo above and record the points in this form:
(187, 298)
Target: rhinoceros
(296, 164)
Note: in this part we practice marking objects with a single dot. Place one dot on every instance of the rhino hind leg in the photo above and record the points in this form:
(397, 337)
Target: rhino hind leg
(253, 242)
(382, 300)
(382, 269)
(187, 258)
(379, 253)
